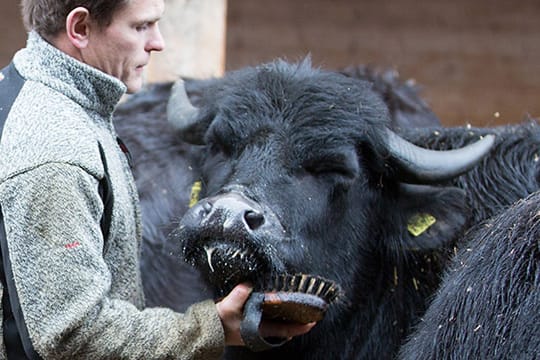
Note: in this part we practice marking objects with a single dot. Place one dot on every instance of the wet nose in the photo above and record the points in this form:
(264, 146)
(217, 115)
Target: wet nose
(235, 211)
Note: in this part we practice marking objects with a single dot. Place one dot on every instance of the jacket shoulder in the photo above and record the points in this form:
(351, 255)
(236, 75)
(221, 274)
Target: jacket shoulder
(43, 127)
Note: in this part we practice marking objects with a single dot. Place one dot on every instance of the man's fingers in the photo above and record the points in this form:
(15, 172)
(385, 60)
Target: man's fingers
(239, 294)
(235, 300)
(230, 311)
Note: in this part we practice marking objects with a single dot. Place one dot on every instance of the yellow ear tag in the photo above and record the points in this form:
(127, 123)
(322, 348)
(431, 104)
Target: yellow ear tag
(195, 191)
(419, 223)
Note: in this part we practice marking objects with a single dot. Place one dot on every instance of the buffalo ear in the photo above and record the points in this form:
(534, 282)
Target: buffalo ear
(432, 217)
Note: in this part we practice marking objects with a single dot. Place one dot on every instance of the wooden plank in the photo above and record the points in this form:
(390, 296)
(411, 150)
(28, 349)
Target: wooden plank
(479, 61)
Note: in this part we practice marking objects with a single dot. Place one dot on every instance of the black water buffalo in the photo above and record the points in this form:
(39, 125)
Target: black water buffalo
(165, 168)
(301, 173)
(487, 307)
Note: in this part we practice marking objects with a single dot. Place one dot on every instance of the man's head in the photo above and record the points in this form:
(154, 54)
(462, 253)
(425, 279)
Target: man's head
(114, 36)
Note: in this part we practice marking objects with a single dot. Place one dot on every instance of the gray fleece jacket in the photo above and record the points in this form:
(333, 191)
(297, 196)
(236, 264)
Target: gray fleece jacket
(81, 296)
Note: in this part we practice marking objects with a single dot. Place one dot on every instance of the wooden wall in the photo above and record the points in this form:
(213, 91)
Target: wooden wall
(478, 60)
(186, 25)
(12, 34)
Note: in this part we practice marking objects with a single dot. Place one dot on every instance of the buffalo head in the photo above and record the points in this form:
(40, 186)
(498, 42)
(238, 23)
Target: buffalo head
(302, 174)
(297, 161)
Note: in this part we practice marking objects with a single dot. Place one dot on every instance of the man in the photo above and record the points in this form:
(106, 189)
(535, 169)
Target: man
(70, 289)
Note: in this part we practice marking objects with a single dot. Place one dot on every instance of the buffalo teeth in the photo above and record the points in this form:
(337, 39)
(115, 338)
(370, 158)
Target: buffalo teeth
(239, 253)
(209, 252)
(232, 253)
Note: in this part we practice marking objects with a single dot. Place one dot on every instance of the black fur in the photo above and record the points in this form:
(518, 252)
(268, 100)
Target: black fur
(487, 307)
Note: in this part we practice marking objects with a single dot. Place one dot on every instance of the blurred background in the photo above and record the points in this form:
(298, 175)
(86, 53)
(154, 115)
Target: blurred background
(477, 61)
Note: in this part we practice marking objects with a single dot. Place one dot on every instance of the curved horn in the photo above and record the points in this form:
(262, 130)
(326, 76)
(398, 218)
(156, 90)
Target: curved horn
(423, 166)
(180, 112)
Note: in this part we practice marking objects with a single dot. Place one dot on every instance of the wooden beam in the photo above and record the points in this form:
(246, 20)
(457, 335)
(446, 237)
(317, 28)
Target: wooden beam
(194, 33)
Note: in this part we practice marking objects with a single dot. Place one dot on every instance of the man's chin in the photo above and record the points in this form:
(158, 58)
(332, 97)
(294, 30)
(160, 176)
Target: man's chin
(134, 85)
(133, 88)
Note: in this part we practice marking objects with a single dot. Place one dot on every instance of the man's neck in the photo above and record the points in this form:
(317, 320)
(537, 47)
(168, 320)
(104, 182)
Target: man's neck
(62, 43)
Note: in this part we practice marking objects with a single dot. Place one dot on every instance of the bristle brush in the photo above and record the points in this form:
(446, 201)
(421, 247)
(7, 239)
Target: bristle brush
(299, 298)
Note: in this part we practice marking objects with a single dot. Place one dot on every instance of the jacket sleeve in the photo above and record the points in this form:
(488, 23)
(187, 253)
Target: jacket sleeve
(63, 283)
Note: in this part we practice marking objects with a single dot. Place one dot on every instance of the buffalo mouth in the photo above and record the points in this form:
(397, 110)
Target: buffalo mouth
(231, 239)
(225, 264)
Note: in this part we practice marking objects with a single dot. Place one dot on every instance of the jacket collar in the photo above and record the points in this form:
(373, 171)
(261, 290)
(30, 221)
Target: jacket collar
(89, 87)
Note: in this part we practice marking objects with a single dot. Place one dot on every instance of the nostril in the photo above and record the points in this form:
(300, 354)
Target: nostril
(254, 219)
(203, 209)
(207, 206)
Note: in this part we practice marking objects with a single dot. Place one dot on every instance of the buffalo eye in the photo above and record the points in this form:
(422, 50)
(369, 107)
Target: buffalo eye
(219, 147)
(341, 169)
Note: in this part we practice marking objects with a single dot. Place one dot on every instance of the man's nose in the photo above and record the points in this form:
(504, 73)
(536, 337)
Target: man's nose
(156, 42)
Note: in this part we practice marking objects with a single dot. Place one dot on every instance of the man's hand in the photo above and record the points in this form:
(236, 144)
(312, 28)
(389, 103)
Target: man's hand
(230, 311)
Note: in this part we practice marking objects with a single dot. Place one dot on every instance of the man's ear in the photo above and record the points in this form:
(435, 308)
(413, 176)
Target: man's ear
(78, 27)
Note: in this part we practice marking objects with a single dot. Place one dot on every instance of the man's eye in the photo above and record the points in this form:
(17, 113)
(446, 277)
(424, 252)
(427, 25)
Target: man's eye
(141, 27)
